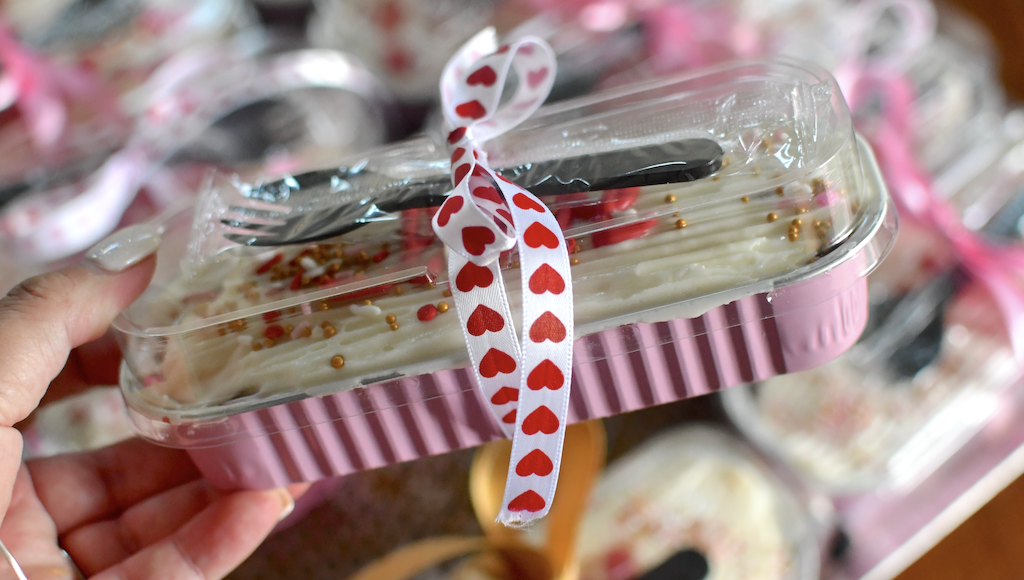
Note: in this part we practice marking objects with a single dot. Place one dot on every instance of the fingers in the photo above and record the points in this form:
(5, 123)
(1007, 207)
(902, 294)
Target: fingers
(29, 534)
(86, 487)
(213, 543)
(96, 547)
(45, 317)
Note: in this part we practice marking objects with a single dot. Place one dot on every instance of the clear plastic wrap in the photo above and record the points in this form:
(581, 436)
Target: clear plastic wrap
(788, 226)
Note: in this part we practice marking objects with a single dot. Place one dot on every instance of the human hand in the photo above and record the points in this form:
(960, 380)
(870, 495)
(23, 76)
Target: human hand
(133, 510)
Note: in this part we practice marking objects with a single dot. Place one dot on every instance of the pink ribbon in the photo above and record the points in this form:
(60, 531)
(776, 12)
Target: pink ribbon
(997, 267)
(41, 88)
(527, 382)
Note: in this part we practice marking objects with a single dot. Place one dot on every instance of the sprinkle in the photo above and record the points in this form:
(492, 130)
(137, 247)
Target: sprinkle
(772, 216)
(307, 309)
(274, 331)
(257, 346)
(794, 235)
(308, 263)
(268, 343)
(306, 280)
(800, 210)
(394, 326)
(325, 324)
(398, 290)
(442, 307)
(322, 306)
(237, 325)
(574, 261)
(222, 331)
(390, 319)
(337, 361)
(288, 328)
(302, 331)
(329, 331)
(367, 302)
(381, 256)
(797, 222)
(779, 191)
(266, 266)
(716, 178)
(670, 198)
(745, 198)
(427, 312)
(447, 293)
(385, 246)
(363, 257)
(680, 224)
(252, 296)
(365, 311)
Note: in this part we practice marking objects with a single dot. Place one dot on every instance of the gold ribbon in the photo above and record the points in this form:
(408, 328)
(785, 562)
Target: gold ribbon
(505, 553)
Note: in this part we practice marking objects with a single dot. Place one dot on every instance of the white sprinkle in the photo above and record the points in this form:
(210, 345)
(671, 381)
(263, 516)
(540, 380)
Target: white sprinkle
(796, 188)
(307, 309)
(308, 263)
(367, 311)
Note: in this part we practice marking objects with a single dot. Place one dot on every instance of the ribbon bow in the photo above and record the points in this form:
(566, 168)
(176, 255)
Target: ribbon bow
(485, 215)
(998, 267)
(505, 553)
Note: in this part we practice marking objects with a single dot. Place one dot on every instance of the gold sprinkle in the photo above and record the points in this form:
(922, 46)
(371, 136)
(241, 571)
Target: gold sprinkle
(680, 224)
(334, 268)
(288, 328)
(800, 210)
(818, 185)
(367, 302)
(745, 198)
(398, 290)
(716, 177)
(307, 332)
(268, 343)
(252, 296)
(329, 331)
(794, 235)
(515, 264)
(670, 198)
(323, 306)
(337, 253)
(222, 331)
(447, 293)
(675, 214)
(772, 216)
(305, 280)
(574, 261)
(391, 319)
(337, 361)
(385, 246)
(779, 191)
(394, 326)
(797, 222)
(237, 325)
(576, 249)
(363, 257)
(442, 307)
(325, 324)
(257, 346)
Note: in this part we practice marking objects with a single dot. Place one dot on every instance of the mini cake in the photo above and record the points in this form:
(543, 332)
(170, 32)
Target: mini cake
(695, 497)
(375, 304)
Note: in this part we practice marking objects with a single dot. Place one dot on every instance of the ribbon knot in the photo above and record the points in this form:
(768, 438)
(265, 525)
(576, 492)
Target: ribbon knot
(527, 383)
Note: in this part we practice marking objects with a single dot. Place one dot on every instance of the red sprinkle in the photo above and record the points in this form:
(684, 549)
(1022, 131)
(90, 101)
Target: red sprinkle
(297, 280)
(381, 256)
(623, 233)
(570, 244)
(271, 316)
(273, 332)
(266, 266)
(620, 199)
(427, 313)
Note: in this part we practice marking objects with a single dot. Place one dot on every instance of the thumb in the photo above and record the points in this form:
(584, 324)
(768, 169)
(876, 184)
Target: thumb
(45, 317)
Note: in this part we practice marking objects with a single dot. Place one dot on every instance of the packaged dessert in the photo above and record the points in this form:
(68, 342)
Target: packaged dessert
(272, 112)
(303, 327)
(695, 503)
(927, 375)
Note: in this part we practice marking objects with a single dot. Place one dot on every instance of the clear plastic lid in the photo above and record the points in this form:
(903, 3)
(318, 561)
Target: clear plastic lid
(227, 328)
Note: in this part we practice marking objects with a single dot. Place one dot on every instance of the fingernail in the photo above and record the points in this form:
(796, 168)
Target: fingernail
(124, 248)
(287, 502)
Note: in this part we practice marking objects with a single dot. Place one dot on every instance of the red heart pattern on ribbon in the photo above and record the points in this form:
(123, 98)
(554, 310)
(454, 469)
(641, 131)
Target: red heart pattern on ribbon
(527, 382)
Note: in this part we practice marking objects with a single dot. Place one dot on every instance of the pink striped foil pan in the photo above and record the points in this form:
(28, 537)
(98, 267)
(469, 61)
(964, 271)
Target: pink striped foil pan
(805, 320)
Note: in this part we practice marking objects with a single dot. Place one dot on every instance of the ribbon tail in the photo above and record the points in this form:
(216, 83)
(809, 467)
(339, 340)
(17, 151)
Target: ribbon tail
(1008, 299)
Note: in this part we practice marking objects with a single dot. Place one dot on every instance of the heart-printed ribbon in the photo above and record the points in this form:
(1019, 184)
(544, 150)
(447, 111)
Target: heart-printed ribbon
(526, 383)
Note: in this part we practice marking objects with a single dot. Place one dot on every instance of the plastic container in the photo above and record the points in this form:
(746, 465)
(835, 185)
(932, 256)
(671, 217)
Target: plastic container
(316, 105)
(754, 271)
(886, 414)
(695, 499)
